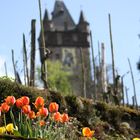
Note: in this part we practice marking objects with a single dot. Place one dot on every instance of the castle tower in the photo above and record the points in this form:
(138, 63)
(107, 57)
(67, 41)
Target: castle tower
(65, 39)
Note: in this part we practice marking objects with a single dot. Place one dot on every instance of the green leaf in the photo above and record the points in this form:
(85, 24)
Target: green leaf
(29, 128)
(16, 133)
(94, 138)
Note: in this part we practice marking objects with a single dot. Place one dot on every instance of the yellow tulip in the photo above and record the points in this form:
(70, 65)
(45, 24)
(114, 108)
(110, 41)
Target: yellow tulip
(136, 138)
(10, 128)
(2, 130)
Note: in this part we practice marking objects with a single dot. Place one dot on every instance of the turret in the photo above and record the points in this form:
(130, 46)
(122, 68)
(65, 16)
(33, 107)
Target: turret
(48, 26)
(83, 25)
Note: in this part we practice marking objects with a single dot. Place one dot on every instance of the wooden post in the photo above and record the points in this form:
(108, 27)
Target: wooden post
(103, 70)
(25, 58)
(17, 77)
(24, 69)
(112, 52)
(13, 61)
(99, 54)
(133, 101)
(42, 51)
(127, 99)
(83, 73)
(5, 66)
(94, 66)
(122, 86)
(33, 46)
(98, 72)
(133, 82)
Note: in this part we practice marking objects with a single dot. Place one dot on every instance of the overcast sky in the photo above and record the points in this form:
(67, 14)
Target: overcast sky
(16, 15)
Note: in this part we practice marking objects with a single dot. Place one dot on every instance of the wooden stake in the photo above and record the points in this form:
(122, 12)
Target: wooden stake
(17, 77)
(127, 99)
(25, 58)
(13, 61)
(94, 66)
(112, 52)
(99, 54)
(122, 86)
(5, 66)
(24, 68)
(133, 82)
(32, 65)
(103, 70)
(133, 101)
(42, 51)
(99, 79)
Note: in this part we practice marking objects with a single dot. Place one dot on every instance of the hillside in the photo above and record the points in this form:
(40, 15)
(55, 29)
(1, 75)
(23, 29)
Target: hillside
(110, 122)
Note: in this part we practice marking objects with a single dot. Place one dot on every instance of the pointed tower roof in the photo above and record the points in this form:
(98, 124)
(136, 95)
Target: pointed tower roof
(46, 16)
(83, 24)
(82, 18)
(47, 22)
(61, 16)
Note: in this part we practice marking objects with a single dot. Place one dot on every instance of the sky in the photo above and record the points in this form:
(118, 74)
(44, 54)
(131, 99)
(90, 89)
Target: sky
(16, 16)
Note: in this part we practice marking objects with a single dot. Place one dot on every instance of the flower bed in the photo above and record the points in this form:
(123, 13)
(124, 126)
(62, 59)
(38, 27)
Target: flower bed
(110, 122)
(39, 122)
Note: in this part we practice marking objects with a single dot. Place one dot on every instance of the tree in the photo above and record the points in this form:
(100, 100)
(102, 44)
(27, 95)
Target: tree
(58, 78)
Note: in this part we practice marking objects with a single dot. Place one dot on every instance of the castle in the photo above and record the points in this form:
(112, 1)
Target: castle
(69, 44)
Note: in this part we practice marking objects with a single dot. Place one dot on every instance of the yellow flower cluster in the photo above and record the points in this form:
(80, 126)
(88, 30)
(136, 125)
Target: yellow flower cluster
(2, 130)
(136, 138)
(9, 128)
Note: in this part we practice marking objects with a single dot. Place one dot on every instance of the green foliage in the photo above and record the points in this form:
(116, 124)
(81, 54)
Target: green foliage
(107, 120)
(58, 78)
(60, 131)
(9, 87)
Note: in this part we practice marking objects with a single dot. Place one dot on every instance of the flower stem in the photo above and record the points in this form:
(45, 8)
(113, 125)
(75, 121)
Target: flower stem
(12, 117)
(5, 122)
(29, 127)
(21, 123)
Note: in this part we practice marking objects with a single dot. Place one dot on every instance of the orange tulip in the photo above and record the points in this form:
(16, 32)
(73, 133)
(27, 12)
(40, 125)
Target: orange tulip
(37, 114)
(53, 107)
(87, 132)
(26, 109)
(39, 102)
(57, 117)
(43, 112)
(4, 107)
(25, 100)
(19, 103)
(42, 123)
(10, 100)
(31, 115)
(64, 118)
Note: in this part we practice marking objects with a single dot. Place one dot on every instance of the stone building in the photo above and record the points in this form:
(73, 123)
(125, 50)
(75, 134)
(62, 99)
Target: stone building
(69, 43)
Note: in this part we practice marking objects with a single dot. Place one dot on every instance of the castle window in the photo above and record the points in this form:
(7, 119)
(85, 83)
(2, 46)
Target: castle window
(68, 60)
